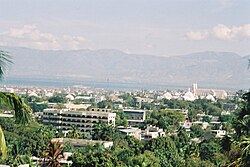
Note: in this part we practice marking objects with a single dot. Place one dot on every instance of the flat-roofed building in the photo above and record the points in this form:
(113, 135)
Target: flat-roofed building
(85, 120)
(80, 143)
(153, 132)
(135, 132)
(135, 116)
(71, 106)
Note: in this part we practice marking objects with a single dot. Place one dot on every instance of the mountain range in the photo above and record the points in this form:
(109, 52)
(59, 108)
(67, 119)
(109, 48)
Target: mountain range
(214, 69)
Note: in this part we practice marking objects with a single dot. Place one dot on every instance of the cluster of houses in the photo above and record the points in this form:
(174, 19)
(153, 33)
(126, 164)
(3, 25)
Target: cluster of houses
(85, 117)
(85, 121)
(82, 116)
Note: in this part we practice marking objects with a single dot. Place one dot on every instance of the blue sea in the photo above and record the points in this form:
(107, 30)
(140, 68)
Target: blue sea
(64, 83)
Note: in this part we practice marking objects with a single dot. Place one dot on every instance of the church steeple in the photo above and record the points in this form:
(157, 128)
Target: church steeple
(195, 87)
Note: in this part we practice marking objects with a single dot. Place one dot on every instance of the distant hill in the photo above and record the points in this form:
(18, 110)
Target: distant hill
(216, 69)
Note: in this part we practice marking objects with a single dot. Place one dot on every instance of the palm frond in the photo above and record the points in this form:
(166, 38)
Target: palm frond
(52, 154)
(245, 144)
(5, 62)
(22, 110)
(3, 147)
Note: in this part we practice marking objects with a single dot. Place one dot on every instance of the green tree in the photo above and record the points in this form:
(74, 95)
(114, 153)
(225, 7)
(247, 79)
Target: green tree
(242, 128)
(129, 100)
(167, 119)
(38, 107)
(74, 132)
(206, 119)
(102, 131)
(192, 115)
(165, 149)
(197, 162)
(196, 131)
(147, 159)
(242, 121)
(93, 156)
(22, 111)
(208, 150)
(105, 104)
(121, 119)
(245, 154)
(60, 98)
(182, 141)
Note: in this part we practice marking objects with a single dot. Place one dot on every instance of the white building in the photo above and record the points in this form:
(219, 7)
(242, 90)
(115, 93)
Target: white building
(153, 132)
(189, 96)
(75, 107)
(219, 133)
(80, 143)
(85, 120)
(203, 93)
(135, 132)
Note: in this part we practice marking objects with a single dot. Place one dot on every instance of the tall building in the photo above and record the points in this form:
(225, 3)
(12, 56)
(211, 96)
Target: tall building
(85, 120)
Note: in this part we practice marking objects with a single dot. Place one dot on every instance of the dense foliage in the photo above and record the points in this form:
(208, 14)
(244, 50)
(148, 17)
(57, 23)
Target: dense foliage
(176, 149)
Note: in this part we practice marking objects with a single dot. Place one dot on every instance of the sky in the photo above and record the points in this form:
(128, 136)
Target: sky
(155, 27)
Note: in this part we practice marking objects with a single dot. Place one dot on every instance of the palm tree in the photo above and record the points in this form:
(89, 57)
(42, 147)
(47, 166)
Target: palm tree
(5, 61)
(242, 127)
(245, 145)
(52, 155)
(3, 148)
(22, 111)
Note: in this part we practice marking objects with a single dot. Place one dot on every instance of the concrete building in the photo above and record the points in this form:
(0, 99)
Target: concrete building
(187, 125)
(142, 100)
(80, 143)
(75, 107)
(219, 133)
(85, 120)
(135, 132)
(135, 116)
(153, 132)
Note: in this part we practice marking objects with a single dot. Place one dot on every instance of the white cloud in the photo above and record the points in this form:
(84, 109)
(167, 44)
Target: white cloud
(197, 35)
(30, 36)
(221, 32)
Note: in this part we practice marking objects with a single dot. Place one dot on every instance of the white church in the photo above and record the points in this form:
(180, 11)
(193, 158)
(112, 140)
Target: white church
(198, 93)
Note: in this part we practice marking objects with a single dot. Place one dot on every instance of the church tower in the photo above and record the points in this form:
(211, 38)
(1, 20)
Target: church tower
(195, 86)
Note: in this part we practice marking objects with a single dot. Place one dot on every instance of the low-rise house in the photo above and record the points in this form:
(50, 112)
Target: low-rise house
(80, 143)
(204, 125)
(187, 125)
(153, 132)
(118, 106)
(135, 132)
(142, 100)
(219, 133)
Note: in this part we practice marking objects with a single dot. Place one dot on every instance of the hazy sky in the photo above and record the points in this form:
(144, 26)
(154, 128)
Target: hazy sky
(158, 27)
